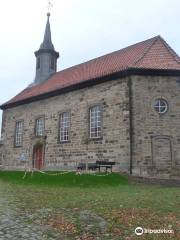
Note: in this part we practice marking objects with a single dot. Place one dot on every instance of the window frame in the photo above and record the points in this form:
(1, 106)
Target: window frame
(15, 142)
(69, 127)
(52, 63)
(89, 121)
(35, 127)
(157, 109)
(38, 63)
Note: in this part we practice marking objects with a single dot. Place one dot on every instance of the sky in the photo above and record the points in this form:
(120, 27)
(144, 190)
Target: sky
(81, 30)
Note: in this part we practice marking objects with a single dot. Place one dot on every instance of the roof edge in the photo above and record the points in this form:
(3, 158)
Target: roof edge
(94, 81)
(147, 50)
(171, 51)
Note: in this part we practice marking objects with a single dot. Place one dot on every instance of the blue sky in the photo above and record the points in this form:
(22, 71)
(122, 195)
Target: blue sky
(81, 30)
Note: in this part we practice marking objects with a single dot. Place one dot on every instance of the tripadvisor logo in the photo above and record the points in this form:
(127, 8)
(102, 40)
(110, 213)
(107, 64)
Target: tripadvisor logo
(139, 231)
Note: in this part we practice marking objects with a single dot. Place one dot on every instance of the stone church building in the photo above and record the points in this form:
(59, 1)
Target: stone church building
(122, 107)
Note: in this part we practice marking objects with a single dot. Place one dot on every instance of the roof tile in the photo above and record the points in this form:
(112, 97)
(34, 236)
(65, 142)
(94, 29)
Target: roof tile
(153, 53)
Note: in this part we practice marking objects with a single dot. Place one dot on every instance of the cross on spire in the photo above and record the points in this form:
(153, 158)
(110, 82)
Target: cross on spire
(49, 7)
(46, 56)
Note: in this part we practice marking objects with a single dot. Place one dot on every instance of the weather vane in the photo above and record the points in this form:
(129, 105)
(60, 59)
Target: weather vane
(49, 7)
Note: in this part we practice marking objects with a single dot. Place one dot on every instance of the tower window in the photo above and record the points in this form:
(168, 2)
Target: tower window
(19, 134)
(52, 62)
(38, 63)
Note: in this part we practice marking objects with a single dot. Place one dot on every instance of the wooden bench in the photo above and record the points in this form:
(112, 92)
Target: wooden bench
(104, 164)
(90, 166)
(97, 165)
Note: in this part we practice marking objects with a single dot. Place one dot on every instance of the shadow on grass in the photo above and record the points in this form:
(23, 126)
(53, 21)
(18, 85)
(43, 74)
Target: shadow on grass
(69, 179)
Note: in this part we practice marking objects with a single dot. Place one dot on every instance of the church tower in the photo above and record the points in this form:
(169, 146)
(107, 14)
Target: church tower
(46, 57)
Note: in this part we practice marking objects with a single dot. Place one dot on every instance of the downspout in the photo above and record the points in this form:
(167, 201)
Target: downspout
(130, 123)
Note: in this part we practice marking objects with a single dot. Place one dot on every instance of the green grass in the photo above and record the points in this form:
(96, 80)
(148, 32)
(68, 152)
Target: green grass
(124, 206)
(69, 179)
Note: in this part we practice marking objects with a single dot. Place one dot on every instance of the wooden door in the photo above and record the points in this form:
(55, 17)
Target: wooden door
(38, 157)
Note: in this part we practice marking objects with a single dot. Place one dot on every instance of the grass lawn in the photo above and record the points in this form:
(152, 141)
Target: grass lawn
(95, 207)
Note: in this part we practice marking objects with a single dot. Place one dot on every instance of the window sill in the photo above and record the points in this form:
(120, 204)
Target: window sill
(64, 142)
(40, 136)
(95, 139)
(18, 146)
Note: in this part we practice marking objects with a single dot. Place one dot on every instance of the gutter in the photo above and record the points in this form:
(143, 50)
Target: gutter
(77, 86)
(91, 82)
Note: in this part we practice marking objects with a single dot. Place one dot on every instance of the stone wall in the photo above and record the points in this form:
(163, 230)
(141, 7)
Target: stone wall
(0, 157)
(114, 145)
(156, 137)
(1, 154)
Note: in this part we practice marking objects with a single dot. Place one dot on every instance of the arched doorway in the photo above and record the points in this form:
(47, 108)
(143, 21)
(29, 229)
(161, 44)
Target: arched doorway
(38, 156)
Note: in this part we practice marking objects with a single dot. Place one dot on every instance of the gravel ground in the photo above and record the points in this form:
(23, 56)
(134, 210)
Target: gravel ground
(16, 223)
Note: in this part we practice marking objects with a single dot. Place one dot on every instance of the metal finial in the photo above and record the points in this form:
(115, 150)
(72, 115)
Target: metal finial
(49, 7)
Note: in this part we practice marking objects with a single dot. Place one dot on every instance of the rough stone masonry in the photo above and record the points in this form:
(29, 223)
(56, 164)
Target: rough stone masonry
(122, 107)
(155, 138)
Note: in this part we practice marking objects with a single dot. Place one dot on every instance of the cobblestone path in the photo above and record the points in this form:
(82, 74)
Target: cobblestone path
(16, 223)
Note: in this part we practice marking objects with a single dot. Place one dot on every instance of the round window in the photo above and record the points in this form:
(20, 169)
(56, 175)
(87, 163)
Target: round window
(160, 106)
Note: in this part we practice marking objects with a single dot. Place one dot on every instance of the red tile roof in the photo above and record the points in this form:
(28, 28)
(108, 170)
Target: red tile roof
(153, 53)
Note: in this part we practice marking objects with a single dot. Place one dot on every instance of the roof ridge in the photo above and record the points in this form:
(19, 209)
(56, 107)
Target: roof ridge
(104, 55)
(171, 51)
(147, 50)
(117, 63)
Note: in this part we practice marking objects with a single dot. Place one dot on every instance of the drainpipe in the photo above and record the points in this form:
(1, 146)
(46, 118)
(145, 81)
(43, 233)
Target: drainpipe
(130, 123)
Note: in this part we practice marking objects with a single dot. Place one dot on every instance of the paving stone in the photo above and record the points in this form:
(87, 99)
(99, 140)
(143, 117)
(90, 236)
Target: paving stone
(18, 224)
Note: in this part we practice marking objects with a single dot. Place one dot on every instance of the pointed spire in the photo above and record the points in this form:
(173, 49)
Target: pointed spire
(46, 57)
(47, 42)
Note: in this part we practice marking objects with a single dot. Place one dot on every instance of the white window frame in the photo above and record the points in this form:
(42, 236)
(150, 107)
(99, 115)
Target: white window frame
(95, 122)
(64, 127)
(39, 126)
(160, 104)
(19, 133)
